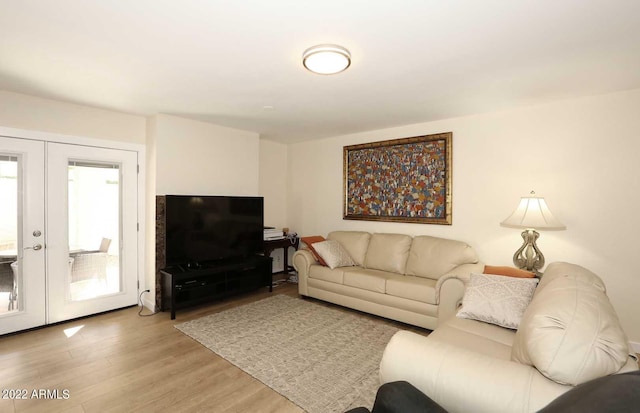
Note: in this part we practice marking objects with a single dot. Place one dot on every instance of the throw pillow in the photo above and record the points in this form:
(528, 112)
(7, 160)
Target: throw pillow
(334, 254)
(497, 299)
(508, 271)
(309, 241)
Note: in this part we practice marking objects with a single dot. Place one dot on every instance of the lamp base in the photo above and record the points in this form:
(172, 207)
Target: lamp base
(528, 257)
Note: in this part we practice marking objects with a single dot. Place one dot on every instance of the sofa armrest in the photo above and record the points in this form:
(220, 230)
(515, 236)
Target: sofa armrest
(302, 261)
(450, 289)
(465, 381)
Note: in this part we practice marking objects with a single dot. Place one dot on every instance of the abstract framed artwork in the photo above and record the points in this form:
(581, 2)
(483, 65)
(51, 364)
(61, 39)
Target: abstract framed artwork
(400, 180)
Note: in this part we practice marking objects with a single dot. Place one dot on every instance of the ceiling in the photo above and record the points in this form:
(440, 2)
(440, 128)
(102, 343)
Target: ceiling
(225, 61)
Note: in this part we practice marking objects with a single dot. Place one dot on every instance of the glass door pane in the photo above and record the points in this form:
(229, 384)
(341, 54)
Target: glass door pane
(22, 247)
(94, 229)
(9, 266)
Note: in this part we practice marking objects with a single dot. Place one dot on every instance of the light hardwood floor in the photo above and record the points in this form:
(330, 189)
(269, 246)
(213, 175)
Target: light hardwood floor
(120, 362)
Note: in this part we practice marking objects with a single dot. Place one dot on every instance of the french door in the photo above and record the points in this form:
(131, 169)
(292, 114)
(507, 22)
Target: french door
(91, 220)
(72, 211)
(22, 219)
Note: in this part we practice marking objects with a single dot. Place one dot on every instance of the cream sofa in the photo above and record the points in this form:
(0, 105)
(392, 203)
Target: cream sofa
(414, 280)
(568, 335)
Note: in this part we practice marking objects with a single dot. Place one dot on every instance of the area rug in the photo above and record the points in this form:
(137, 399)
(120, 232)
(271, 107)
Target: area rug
(321, 358)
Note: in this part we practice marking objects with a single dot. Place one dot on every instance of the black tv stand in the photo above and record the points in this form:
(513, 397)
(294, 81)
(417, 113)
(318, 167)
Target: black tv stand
(183, 287)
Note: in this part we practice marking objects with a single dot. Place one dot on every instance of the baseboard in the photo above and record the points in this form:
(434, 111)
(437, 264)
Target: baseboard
(635, 346)
(149, 304)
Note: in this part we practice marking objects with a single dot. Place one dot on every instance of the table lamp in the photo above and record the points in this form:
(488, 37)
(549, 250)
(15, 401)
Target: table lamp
(532, 213)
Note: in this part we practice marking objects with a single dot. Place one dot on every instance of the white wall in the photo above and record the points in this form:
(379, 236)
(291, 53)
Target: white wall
(150, 215)
(582, 155)
(273, 182)
(46, 115)
(195, 157)
(273, 187)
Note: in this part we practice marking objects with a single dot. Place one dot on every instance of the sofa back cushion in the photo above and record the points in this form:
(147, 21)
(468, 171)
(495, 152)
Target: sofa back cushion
(570, 333)
(565, 269)
(432, 257)
(355, 242)
(388, 252)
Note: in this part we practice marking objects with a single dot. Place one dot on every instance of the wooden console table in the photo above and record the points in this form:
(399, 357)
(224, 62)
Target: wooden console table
(274, 244)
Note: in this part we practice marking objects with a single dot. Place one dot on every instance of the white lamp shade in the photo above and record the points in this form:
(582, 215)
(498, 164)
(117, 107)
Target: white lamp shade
(533, 213)
(326, 59)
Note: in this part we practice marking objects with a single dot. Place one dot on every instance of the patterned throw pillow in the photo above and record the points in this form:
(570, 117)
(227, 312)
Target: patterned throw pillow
(497, 299)
(333, 254)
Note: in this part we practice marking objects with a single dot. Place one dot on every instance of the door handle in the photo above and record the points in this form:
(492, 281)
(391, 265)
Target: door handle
(36, 247)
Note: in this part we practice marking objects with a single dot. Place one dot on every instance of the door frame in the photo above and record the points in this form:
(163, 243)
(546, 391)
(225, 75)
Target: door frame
(143, 282)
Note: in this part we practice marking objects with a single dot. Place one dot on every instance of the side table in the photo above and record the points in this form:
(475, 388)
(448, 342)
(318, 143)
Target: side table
(271, 245)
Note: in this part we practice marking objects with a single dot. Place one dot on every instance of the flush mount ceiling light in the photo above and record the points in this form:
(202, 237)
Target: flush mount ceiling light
(326, 59)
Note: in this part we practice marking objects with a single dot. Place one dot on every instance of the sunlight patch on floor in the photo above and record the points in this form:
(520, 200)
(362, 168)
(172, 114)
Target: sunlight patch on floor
(69, 332)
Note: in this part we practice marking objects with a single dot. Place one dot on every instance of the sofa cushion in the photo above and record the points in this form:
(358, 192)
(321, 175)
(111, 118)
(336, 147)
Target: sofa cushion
(334, 254)
(355, 242)
(412, 288)
(327, 274)
(570, 333)
(388, 252)
(497, 299)
(433, 257)
(371, 280)
(488, 339)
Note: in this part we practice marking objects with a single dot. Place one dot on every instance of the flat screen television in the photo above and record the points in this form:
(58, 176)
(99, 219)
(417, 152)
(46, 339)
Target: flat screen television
(206, 229)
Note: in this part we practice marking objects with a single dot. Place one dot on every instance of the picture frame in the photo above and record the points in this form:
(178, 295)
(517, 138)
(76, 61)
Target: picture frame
(399, 180)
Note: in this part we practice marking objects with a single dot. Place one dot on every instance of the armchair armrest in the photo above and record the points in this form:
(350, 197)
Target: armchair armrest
(302, 261)
(465, 381)
(450, 289)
